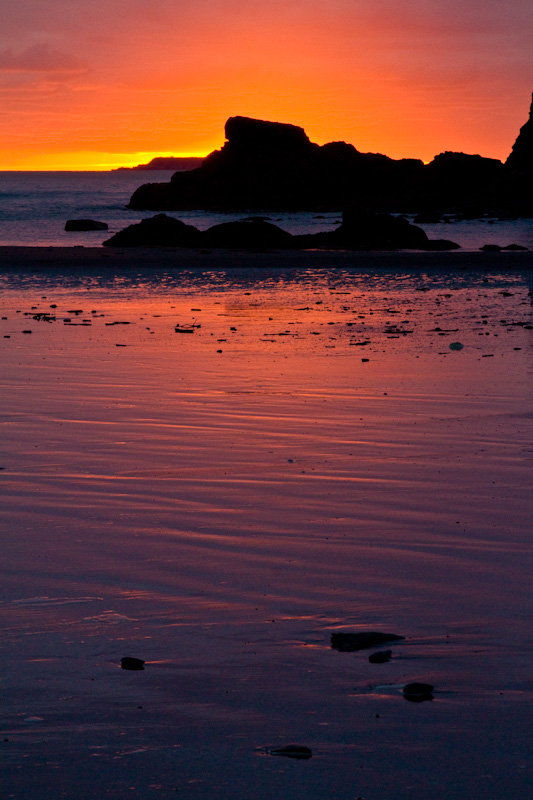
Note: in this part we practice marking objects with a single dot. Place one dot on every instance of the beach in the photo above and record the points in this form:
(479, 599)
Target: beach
(79, 258)
(212, 461)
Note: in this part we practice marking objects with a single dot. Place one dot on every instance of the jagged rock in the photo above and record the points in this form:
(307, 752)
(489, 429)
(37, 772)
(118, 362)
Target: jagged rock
(350, 642)
(158, 231)
(521, 156)
(272, 165)
(85, 225)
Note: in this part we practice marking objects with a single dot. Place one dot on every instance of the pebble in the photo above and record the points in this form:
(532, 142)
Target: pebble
(418, 691)
(381, 657)
(349, 642)
(292, 751)
(128, 662)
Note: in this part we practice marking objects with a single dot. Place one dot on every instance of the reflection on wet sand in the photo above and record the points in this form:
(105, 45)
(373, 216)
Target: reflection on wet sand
(313, 459)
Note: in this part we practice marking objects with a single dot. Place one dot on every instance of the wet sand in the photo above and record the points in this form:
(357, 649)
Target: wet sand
(83, 258)
(312, 457)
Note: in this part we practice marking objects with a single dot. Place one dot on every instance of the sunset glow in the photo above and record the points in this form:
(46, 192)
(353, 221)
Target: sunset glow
(105, 84)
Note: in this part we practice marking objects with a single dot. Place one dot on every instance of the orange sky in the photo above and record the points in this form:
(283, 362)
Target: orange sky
(99, 84)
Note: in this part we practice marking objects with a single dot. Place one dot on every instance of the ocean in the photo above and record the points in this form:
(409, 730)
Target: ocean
(34, 207)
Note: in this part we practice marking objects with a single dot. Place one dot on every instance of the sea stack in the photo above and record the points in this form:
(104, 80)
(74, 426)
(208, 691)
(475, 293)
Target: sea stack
(521, 157)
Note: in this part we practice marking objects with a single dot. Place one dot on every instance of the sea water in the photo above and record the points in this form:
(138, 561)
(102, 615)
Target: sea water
(34, 207)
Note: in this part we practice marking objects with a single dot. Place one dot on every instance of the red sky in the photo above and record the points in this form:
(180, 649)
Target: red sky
(104, 83)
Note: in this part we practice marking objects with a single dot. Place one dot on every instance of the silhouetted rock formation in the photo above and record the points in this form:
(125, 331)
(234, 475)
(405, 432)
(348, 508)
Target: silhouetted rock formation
(272, 165)
(248, 234)
(158, 231)
(178, 163)
(358, 231)
(361, 230)
(85, 225)
(461, 181)
(521, 157)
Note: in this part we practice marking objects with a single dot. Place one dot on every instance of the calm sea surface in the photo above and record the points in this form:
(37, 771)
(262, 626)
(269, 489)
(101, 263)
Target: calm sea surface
(34, 207)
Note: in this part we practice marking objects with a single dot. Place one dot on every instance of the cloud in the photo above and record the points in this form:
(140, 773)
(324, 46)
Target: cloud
(39, 58)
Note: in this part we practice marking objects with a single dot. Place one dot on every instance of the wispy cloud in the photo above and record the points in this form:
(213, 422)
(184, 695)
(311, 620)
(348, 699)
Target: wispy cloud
(39, 58)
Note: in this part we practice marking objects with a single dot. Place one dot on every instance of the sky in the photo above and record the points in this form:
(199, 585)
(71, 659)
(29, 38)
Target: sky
(95, 84)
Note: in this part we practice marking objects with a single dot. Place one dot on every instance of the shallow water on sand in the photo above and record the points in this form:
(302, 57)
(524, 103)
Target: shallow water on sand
(312, 458)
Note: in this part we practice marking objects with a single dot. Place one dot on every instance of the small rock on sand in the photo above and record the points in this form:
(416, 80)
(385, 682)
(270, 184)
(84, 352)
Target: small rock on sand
(292, 751)
(349, 642)
(417, 692)
(380, 657)
(128, 662)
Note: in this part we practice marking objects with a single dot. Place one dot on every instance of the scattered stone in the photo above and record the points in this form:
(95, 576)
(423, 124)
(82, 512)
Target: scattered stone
(128, 662)
(380, 657)
(456, 345)
(417, 692)
(292, 751)
(350, 642)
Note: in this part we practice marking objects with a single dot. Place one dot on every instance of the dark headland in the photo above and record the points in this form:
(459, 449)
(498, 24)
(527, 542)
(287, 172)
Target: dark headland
(177, 163)
(272, 165)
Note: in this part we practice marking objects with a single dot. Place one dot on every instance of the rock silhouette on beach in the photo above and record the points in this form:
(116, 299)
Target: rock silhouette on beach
(358, 231)
(247, 233)
(381, 657)
(274, 165)
(85, 225)
(158, 231)
(351, 642)
(292, 751)
(418, 692)
(131, 663)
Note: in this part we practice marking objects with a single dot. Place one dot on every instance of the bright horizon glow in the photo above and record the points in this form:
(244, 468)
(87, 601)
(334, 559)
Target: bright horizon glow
(109, 84)
(89, 161)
